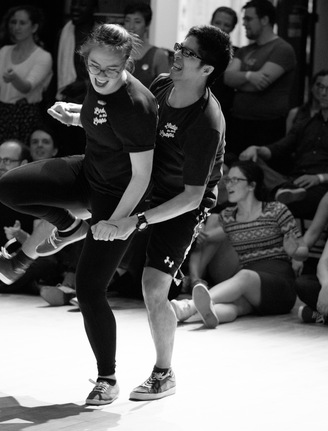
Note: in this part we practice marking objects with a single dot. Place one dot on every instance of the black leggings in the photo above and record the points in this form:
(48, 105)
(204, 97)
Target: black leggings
(49, 189)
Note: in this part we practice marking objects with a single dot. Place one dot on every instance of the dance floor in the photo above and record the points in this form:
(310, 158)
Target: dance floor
(256, 374)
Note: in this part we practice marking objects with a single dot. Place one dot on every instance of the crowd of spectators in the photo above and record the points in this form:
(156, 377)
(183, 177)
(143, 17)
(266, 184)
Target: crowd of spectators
(288, 144)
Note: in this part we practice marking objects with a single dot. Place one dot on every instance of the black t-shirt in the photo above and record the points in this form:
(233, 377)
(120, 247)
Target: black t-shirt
(117, 124)
(189, 145)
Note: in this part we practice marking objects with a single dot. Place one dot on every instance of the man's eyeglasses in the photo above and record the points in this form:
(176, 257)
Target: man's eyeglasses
(8, 161)
(321, 87)
(109, 73)
(186, 52)
(233, 180)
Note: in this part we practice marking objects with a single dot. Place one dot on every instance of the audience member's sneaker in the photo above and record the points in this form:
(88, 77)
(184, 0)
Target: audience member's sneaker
(74, 301)
(11, 269)
(158, 385)
(102, 393)
(57, 295)
(204, 305)
(55, 242)
(307, 315)
(289, 195)
(182, 309)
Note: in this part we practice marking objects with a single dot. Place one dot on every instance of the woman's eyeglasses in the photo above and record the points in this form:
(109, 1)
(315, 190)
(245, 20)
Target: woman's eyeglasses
(186, 52)
(109, 73)
(233, 180)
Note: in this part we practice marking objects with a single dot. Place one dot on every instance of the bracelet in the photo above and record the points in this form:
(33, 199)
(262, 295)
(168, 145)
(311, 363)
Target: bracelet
(321, 178)
(248, 74)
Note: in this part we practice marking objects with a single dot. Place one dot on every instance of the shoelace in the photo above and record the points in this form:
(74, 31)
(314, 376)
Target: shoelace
(52, 238)
(152, 379)
(99, 386)
(4, 252)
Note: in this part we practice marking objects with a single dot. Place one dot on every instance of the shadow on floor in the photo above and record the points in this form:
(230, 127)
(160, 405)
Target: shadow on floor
(15, 417)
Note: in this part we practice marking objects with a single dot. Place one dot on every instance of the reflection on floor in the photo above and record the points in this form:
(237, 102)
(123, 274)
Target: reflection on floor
(258, 373)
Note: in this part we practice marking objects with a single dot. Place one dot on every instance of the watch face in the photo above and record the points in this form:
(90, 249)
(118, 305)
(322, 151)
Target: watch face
(142, 222)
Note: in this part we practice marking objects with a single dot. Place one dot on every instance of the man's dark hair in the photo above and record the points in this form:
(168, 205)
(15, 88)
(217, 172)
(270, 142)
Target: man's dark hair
(214, 48)
(321, 72)
(263, 8)
(51, 131)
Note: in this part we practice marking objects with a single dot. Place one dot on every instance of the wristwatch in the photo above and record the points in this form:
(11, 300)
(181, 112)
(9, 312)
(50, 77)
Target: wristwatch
(142, 223)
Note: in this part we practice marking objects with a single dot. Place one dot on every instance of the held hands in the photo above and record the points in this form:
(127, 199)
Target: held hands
(108, 230)
(64, 112)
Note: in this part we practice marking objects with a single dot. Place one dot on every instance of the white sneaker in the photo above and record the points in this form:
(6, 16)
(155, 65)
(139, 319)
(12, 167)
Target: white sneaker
(182, 309)
(204, 305)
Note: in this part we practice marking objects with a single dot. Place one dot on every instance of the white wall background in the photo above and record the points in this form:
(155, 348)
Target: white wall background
(173, 18)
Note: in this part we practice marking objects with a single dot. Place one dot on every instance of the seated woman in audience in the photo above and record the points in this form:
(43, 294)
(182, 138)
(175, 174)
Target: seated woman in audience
(312, 289)
(248, 253)
(150, 60)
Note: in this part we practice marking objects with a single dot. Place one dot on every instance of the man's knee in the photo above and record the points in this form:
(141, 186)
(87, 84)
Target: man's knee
(155, 286)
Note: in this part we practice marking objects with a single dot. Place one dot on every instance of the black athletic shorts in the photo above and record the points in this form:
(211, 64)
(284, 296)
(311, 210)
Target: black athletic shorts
(170, 241)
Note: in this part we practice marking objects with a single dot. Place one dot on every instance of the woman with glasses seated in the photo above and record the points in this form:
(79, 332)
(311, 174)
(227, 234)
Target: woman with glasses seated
(245, 252)
(112, 180)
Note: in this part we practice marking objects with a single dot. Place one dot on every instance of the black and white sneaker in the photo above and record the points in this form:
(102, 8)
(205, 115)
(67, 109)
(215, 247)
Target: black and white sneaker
(55, 242)
(307, 315)
(158, 385)
(102, 393)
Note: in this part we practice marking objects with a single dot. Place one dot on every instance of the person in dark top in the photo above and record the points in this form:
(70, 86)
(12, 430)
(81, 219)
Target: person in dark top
(306, 145)
(187, 166)
(226, 20)
(150, 60)
(119, 116)
(262, 74)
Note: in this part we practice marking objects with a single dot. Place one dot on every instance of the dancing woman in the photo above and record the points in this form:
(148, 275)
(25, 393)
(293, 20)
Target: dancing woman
(119, 116)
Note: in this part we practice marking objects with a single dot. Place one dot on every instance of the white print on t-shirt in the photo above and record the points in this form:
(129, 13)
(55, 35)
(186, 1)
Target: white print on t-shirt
(169, 132)
(100, 116)
(169, 262)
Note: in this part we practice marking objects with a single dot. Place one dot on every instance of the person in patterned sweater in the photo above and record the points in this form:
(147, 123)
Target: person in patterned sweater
(247, 250)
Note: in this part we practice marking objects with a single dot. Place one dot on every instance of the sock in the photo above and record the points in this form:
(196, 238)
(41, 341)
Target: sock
(22, 259)
(160, 370)
(112, 382)
(69, 232)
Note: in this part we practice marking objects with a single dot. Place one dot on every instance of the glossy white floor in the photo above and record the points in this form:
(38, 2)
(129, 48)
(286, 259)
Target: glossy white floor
(268, 373)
